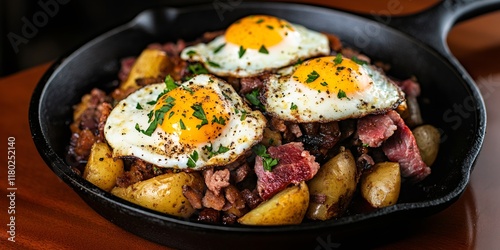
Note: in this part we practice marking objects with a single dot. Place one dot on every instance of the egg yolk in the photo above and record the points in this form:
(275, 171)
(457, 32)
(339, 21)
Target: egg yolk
(336, 75)
(195, 115)
(258, 30)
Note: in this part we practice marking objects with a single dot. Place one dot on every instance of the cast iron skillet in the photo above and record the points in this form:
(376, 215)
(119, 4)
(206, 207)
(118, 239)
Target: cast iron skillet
(413, 45)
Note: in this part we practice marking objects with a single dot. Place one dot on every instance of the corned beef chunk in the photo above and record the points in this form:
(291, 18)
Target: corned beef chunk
(397, 141)
(375, 129)
(402, 147)
(294, 166)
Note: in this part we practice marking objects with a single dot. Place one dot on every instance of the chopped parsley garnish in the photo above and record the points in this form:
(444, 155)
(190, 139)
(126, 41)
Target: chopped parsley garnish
(243, 114)
(260, 21)
(212, 153)
(181, 123)
(171, 114)
(216, 50)
(191, 52)
(193, 158)
(188, 89)
(263, 50)
(158, 116)
(270, 27)
(324, 84)
(312, 76)
(267, 160)
(338, 59)
(341, 94)
(138, 106)
(219, 120)
(293, 106)
(213, 64)
(299, 62)
(242, 51)
(253, 98)
(169, 85)
(200, 114)
(197, 69)
(358, 61)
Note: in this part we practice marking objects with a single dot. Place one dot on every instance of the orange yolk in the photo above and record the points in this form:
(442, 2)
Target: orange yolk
(196, 116)
(332, 74)
(256, 31)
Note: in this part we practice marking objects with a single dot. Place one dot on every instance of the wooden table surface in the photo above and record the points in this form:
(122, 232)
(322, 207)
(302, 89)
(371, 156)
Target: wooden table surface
(49, 215)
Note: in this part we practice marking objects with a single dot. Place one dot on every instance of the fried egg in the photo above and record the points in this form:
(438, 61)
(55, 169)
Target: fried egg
(255, 44)
(328, 89)
(200, 123)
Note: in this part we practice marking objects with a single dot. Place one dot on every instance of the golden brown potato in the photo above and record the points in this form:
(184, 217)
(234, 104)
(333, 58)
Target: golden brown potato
(81, 107)
(380, 186)
(287, 207)
(333, 187)
(163, 193)
(150, 63)
(101, 169)
(428, 139)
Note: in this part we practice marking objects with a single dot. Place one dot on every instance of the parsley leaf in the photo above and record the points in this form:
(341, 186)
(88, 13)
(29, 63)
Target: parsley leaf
(293, 106)
(312, 76)
(197, 69)
(243, 114)
(260, 21)
(338, 59)
(219, 120)
(358, 61)
(191, 52)
(138, 106)
(263, 50)
(341, 94)
(253, 98)
(181, 123)
(216, 50)
(200, 114)
(242, 51)
(211, 152)
(267, 160)
(157, 117)
(270, 27)
(324, 84)
(188, 89)
(213, 64)
(193, 158)
(170, 83)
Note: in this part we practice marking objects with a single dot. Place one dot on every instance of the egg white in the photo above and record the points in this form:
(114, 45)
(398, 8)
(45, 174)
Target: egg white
(244, 129)
(290, 100)
(297, 45)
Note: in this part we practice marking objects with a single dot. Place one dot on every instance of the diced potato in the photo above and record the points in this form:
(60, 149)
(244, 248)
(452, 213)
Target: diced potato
(163, 193)
(101, 169)
(428, 139)
(381, 185)
(150, 63)
(287, 207)
(334, 185)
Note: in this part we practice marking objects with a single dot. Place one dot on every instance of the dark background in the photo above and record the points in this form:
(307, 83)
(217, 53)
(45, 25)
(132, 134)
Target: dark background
(62, 25)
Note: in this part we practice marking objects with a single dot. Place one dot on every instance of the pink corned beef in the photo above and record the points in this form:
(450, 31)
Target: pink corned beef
(294, 166)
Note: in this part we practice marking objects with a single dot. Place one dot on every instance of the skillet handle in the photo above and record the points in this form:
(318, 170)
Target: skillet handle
(432, 26)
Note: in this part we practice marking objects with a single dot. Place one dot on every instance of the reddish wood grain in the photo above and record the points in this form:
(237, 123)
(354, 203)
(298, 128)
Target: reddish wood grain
(49, 215)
